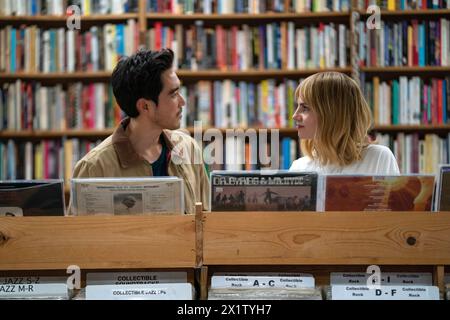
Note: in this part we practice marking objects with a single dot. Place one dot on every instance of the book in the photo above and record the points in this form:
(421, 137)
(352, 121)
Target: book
(443, 188)
(124, 196)
(264, 190)
(378, 193)
(32, 198)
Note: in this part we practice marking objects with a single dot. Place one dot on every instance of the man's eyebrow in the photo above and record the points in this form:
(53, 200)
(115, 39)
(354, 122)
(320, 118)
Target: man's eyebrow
(174, 90)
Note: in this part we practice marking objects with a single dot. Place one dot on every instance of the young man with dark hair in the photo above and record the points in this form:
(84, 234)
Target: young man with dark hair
(146, 143)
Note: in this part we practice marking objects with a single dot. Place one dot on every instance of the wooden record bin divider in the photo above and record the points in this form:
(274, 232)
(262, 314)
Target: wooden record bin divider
(317, 243)
(48, 245)
(320, 243)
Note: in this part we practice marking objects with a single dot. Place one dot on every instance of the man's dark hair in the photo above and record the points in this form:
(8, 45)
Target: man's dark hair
(139, 76)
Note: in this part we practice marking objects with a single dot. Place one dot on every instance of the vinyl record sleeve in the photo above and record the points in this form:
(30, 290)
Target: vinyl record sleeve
(32, 198)
(127, 196)
(263, 191)
(378, 193)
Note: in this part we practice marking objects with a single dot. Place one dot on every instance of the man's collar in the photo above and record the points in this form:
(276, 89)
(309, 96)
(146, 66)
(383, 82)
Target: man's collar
(124, 149)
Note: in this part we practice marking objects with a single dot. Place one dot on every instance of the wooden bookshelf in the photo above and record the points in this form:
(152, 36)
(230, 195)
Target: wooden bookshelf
(100, 134)
(51, 134)
(239, 18)
(410, 14)
(100, 76)
(412, 128)
(395, 72)
(187, 75)
(63, 19)
(87, 133)
(252, 74)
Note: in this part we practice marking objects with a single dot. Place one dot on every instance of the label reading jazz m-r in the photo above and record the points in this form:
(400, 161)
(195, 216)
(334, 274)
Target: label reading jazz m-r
(33, 286)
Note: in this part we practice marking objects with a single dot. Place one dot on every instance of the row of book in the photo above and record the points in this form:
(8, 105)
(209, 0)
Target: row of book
(250, 151)
(409, 100)
(392, 5)
(244, 150)
(406, 43)
(270, 46)
(31, 49)
(56, 158)
(25, 105)
(46, 159)
(223, 104)
(416, 154)
(246, 6)
(58, 7)
(269, 285)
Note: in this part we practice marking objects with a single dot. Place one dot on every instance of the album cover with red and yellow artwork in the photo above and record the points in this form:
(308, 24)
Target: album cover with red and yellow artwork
(379, 193)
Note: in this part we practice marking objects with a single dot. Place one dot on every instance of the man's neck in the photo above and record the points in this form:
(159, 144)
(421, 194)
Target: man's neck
(144, 139)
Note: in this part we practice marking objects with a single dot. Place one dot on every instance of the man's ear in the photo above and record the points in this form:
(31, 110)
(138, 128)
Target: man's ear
(143, 105)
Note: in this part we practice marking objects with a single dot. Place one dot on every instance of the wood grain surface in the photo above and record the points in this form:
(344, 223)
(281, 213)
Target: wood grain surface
(332, 238)
(104, 242)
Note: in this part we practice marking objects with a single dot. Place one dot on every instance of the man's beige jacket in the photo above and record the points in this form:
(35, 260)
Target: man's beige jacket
(115, 157)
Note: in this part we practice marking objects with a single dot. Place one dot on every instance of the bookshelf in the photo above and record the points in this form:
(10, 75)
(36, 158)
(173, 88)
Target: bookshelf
(405, 14)
(404, 68)
(48, 134)
(145, 20)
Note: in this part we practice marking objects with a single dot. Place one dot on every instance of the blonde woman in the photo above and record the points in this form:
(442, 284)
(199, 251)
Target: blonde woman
(333, 119)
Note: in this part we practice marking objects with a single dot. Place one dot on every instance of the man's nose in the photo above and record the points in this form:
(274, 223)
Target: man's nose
(182, 101)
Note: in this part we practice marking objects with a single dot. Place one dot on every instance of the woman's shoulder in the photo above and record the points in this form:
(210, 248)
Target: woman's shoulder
(378, 150)
(379, 159)
(301, 163)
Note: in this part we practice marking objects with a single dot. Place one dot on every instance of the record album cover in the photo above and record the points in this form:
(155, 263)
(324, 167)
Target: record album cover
(443, 189)
(32, 198)
(378, 193)
(263, 191)
(127, 196)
